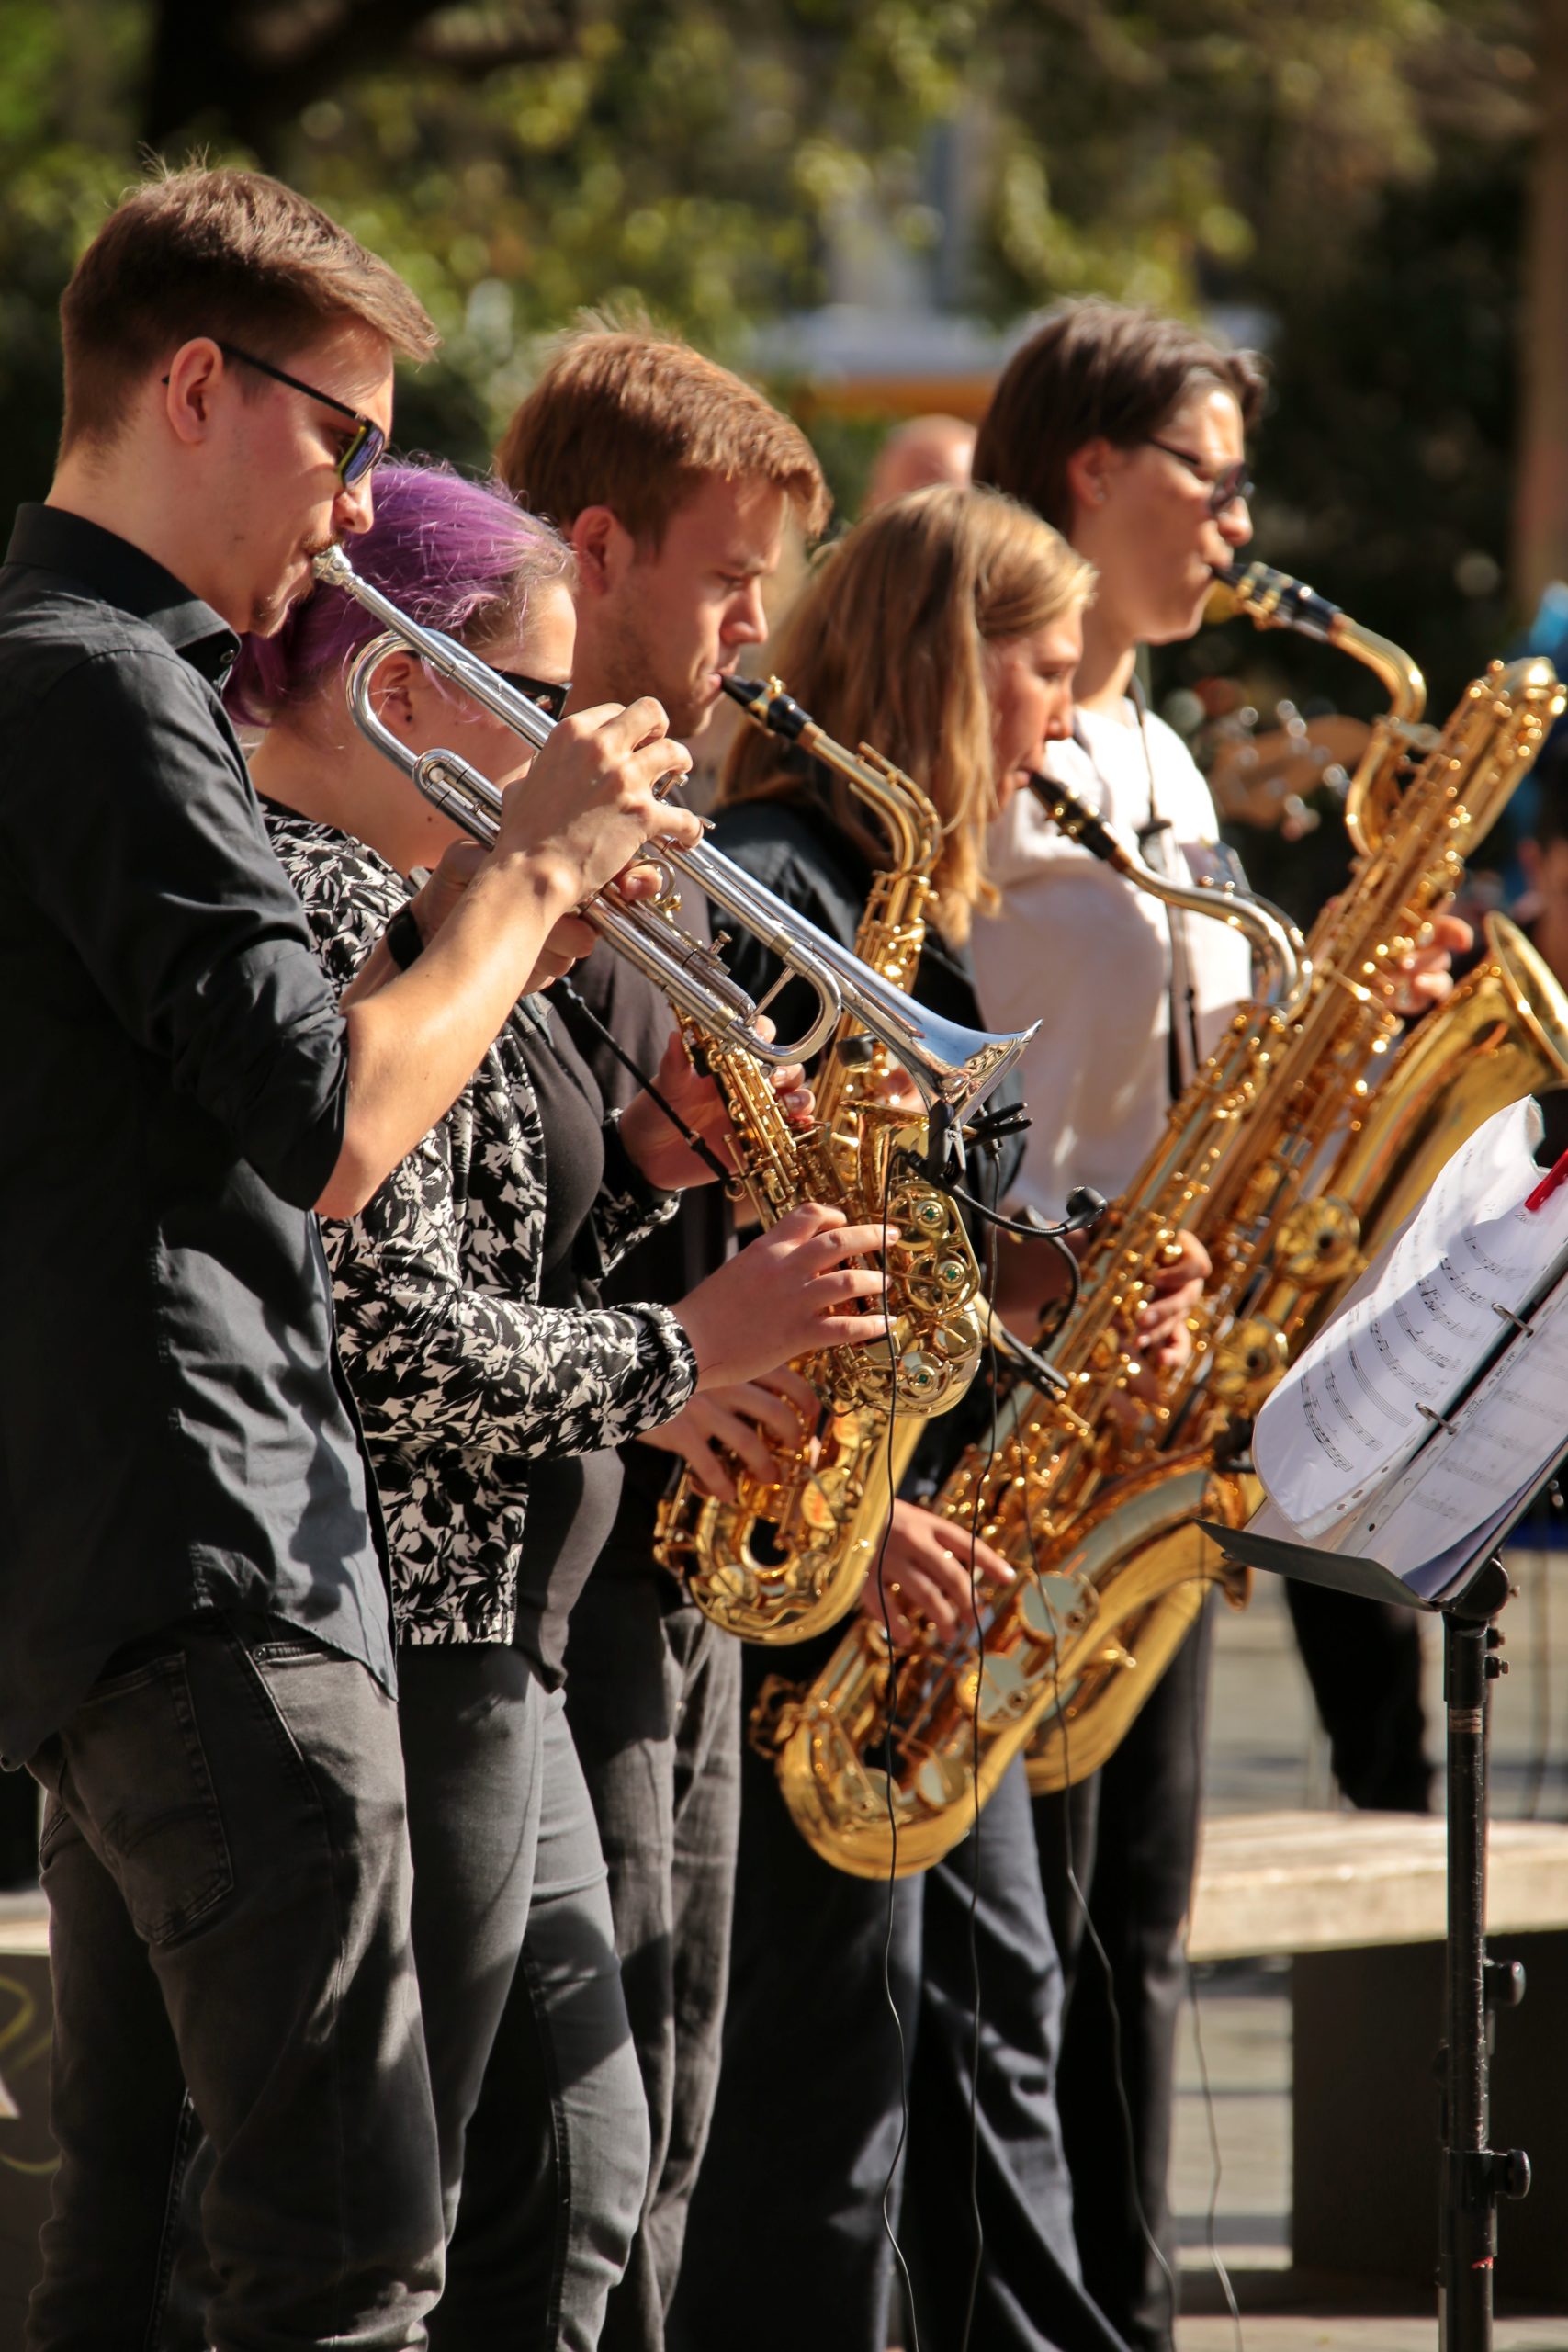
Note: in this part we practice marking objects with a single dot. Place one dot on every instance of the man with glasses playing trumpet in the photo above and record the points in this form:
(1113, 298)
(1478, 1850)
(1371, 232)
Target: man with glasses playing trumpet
(197, 1663)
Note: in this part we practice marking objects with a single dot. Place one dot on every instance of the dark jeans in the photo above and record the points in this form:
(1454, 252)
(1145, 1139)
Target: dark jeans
(1130, 1832)
(226, 1861)
(653, 1697)
(556, 2151)
(472, 1717)
(785, 2245)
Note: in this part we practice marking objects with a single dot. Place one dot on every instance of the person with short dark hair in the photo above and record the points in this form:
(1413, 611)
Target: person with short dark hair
(1128, 431)
(197, 1664)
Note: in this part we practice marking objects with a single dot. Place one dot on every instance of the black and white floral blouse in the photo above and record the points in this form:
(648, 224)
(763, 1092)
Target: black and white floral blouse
(461, 1376)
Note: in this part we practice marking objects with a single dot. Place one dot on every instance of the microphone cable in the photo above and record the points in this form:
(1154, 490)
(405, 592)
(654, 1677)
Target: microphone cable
(981, 1489)
(889, 1710)
(1216, 2161)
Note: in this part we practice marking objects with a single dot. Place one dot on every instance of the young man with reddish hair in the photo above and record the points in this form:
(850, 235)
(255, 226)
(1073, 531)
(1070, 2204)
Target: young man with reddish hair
(197, 1664)
(674, 481)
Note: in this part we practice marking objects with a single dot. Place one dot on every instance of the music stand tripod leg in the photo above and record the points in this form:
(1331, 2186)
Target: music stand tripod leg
(1473, 2175)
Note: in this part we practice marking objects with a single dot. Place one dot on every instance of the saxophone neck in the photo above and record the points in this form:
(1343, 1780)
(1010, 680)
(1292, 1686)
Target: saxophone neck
(1283, 972)
(907, 816)
(1273, 599)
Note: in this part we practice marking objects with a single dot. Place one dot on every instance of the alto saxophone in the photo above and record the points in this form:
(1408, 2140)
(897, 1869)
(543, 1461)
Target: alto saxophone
(1292, 1166)
(787, 1558)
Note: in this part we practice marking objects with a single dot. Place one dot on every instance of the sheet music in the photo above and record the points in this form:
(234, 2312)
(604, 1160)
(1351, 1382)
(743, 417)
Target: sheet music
(1414, 1334)
(1433, 1519)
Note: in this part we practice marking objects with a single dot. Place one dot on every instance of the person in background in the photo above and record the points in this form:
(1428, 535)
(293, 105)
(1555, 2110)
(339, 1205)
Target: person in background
(1127, 431)
(674, 483)
(198, 1662)
(918, 455)
(943, 629)
(494, 1387)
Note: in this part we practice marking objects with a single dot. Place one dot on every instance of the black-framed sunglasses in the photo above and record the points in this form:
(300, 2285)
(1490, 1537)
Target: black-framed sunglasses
(550, 694)
(369, 446)
(1234, 485)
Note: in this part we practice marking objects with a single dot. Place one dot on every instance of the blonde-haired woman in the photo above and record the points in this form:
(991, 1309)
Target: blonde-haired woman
(944, 628)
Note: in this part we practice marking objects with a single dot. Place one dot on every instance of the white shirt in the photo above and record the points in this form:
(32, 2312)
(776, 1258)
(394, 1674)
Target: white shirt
(1081, 951)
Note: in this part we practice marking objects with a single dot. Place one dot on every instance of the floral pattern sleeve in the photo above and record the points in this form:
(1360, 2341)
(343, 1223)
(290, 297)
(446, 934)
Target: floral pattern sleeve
(461, 1376)
(439, 1356)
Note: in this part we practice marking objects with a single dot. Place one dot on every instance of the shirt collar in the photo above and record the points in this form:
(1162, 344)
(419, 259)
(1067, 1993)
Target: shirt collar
(111, 570)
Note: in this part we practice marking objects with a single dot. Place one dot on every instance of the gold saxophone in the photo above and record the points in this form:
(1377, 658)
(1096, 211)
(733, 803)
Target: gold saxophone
(1293, 1154)
(787, 1558)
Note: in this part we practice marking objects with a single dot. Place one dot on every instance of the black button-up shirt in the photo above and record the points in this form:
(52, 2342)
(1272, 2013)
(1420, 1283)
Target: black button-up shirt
(174, 1432)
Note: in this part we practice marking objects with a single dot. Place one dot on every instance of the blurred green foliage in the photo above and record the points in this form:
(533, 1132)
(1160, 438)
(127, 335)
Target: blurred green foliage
(1352, 175)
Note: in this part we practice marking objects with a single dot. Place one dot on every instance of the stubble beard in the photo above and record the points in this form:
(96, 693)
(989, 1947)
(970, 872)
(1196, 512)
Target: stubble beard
(631, 667)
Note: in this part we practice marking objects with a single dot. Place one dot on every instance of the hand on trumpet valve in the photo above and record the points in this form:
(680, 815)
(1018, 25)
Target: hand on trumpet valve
(570, 939)
(663, 1152)
(587, 801)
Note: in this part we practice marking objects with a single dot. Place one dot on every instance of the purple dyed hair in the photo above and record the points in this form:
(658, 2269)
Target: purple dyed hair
(455, 555)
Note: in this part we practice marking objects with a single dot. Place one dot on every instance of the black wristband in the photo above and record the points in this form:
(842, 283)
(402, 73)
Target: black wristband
(402, 937)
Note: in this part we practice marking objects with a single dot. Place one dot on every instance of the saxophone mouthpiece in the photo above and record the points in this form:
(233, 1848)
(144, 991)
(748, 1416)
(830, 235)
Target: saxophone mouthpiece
(1273, 599)
(1079, 823)
(769, 704)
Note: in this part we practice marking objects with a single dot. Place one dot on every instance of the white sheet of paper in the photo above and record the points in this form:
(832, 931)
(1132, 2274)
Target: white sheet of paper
(1434, 1519)
(1345, 1418)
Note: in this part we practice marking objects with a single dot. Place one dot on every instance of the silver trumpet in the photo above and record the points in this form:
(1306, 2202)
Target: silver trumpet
(954, 1067)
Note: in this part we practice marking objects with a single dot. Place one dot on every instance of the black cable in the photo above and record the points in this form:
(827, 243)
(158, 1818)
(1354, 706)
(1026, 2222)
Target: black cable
(708, 1157)
(1216, 2163)
(981, 1489)
(889, 1714)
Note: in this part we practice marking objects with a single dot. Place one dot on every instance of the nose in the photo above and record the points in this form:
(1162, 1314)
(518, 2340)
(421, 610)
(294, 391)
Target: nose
(747, 623)
(1059, 718)
(355, 510)
(1235, 523)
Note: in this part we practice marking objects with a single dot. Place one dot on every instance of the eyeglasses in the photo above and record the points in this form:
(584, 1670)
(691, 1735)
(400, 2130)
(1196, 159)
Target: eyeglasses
(550, 694)
(368, 445)
(1232, 488)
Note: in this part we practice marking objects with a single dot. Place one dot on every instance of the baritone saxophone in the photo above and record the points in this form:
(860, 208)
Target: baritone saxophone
(788, 1557)
(1292, 1156)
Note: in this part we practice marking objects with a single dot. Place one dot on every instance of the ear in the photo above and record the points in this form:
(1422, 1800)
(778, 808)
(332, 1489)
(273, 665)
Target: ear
(602, 548)
(191, 386)
(392, 689)
(1089, 473)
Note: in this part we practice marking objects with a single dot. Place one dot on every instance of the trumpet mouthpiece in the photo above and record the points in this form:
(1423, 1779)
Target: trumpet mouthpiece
(333, 568)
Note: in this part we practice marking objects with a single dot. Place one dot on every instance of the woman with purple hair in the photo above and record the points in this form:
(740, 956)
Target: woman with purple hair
(493, 1388)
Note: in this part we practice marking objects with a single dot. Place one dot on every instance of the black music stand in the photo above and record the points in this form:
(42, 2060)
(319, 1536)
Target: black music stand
(1474, 2176)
